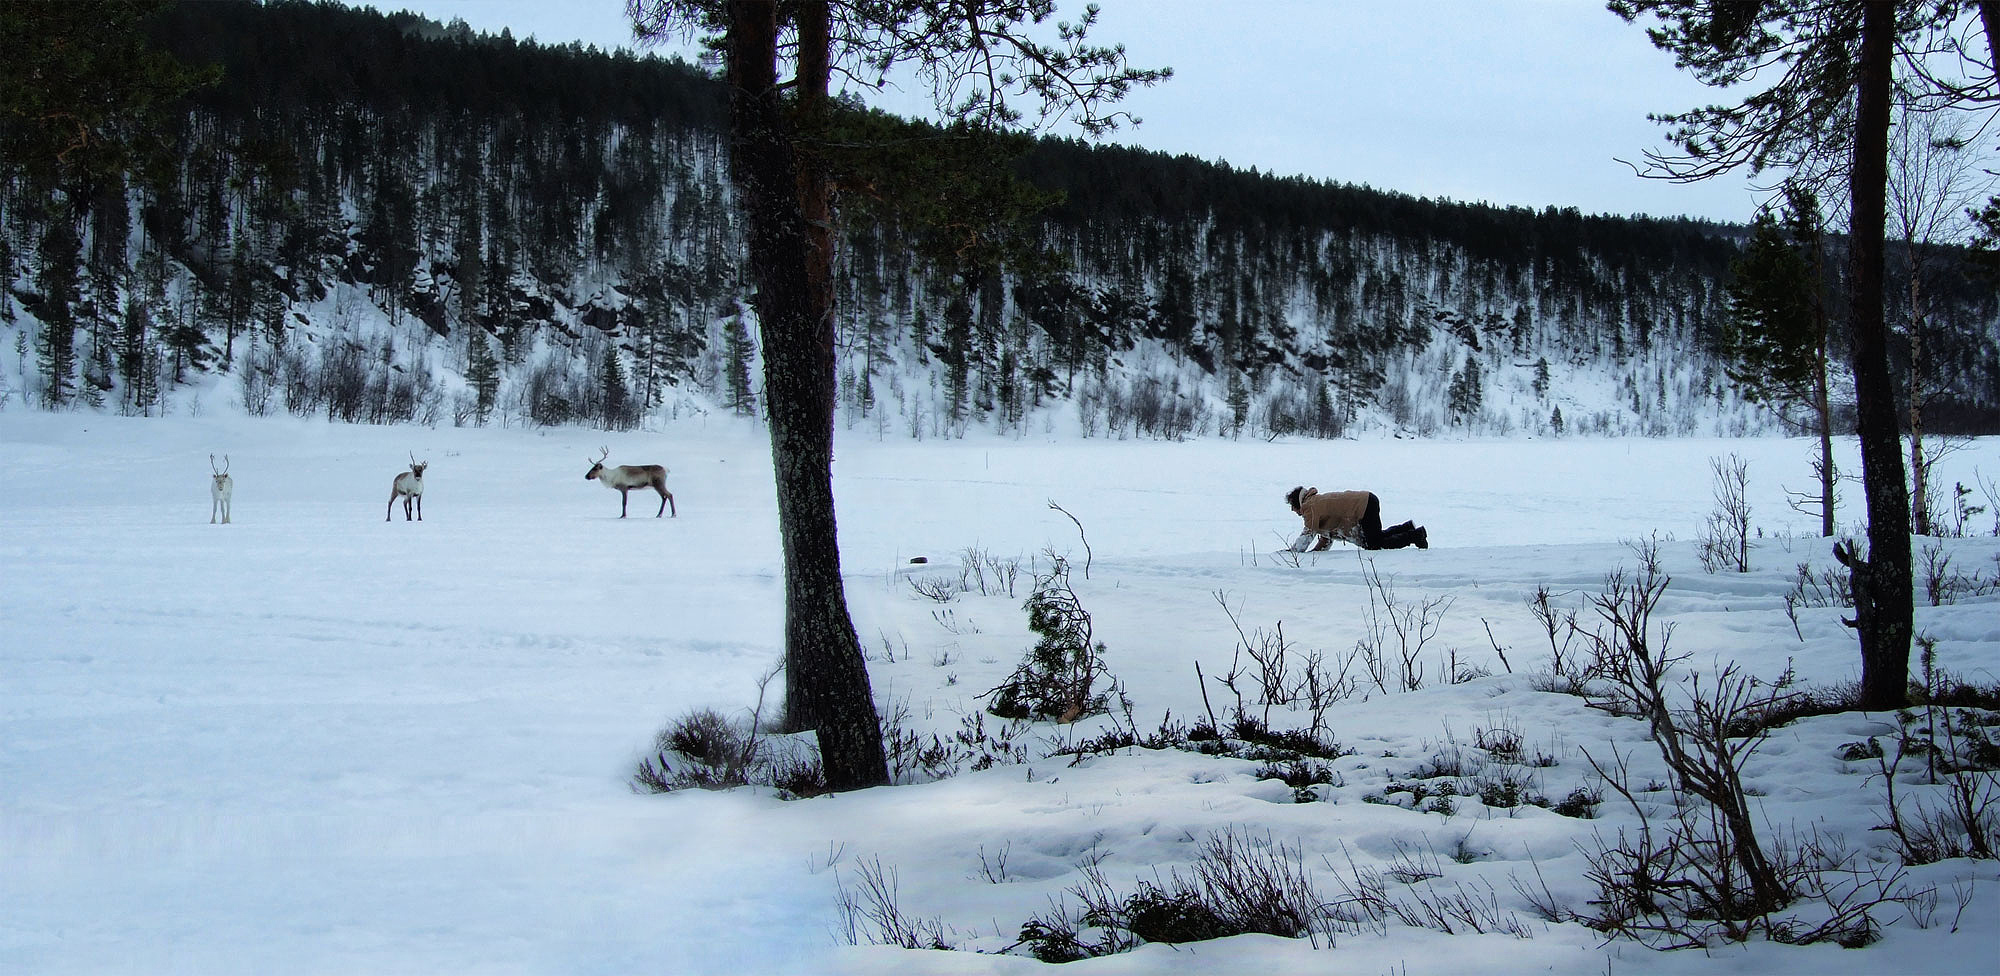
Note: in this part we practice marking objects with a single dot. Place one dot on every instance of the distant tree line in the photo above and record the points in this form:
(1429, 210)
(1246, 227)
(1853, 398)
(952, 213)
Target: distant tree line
(464, 227)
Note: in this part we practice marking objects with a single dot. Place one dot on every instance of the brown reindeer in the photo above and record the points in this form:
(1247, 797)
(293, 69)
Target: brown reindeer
(625, 477)
(409, 486)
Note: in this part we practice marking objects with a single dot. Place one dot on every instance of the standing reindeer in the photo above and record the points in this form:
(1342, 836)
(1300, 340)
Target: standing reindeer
(409, 487)
(626, 477)
(219, 491)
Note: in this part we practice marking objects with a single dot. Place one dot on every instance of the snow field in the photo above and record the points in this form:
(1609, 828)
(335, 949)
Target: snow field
(312, 742)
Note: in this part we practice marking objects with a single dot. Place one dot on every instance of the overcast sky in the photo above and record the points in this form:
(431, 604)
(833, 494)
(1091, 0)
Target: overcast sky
(1514, 102)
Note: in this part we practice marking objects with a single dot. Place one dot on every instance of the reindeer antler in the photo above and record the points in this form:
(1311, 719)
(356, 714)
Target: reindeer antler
(211, 464)
(606, 453)
(225, 462)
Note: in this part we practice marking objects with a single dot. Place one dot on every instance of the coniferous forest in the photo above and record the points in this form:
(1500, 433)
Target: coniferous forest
(382, 219)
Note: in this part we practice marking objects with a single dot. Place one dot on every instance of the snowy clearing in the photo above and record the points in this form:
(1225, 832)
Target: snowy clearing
(313, 742)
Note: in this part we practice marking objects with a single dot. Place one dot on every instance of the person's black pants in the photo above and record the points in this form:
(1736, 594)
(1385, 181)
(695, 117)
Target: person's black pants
(1373, 536)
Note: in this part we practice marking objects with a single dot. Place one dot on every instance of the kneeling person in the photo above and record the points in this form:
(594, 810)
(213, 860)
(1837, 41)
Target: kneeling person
(1352, 516)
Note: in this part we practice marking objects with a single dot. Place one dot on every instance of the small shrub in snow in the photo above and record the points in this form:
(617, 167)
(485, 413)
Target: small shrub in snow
(1299, 773)
(1581, 803)
(1368, 903)
(1503, 744)
(1724, 542)
(1820, 588)
(1944, 585)
(1238, 884)
(1059, 677)
(1283, 675)
(705, 750)
(1395, 633)
(704, 736)
(937, 588)
(914, 758)
(1158, 915)
(699, 750)
(1508, 787)
(1961, 763)
(870, 912)
(1260, 741)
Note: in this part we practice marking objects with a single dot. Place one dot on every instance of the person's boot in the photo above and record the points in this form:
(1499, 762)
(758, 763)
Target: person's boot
(1405, 527)
(1423, 538)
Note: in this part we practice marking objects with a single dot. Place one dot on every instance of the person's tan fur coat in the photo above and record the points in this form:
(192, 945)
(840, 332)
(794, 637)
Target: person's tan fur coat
(1336, 514)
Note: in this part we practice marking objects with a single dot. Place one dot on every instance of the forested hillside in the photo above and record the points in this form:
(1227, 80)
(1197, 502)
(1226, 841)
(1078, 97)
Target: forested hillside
(382, 219)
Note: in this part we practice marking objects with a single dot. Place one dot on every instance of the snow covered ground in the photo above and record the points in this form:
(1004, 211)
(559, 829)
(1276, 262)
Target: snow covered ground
(313, 742)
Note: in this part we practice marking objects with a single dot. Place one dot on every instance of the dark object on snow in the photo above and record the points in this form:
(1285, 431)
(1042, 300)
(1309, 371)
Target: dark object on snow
(919, 560)
(1351, 516)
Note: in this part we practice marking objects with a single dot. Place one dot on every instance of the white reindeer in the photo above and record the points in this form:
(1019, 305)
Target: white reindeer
(219, 491)
(409, 487)
(626, 477)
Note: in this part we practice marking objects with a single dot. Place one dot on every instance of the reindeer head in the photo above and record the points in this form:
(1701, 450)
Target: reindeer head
(597, 466)
(417, 467)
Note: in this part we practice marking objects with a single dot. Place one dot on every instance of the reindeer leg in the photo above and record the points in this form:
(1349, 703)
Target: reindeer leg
(391, 511)
(420, 508)
(624, 498)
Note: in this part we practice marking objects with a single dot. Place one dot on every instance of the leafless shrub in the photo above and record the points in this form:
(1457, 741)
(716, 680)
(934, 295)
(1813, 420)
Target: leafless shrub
(870, 912)
(1991, 489)
(1944, 585)
(1283, 555)
(1367, 903)
(1961, 758)
(1395, 633)
(1238, 884)
(994, 870)
(1569, 671)
(705, 750)
(1822, 588)
(1282, 675)
(1636, 659)
(1679, 881)
(991, 575)
(1261, 886)
(938, 588)
(916, 758)
(950, 621)
(1724, 542)
(1921, 907)
(1701, 870)
(1547, 905)
(1965, 824)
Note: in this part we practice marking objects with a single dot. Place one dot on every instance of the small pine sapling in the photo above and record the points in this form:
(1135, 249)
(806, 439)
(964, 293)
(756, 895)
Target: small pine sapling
(1056, 678)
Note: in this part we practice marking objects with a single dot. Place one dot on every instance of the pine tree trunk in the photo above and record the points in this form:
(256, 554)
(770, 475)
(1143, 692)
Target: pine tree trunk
(826, 678)
(1883, 604)
(1989, 13)
(1828, 474)
(1920, 508)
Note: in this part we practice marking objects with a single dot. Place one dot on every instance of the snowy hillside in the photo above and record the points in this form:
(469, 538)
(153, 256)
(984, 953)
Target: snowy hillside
(375, 219)
(313, 742)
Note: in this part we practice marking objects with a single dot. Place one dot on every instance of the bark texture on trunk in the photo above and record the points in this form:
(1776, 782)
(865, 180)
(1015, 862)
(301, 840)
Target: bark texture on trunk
(1883, 602)
(826, 677)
